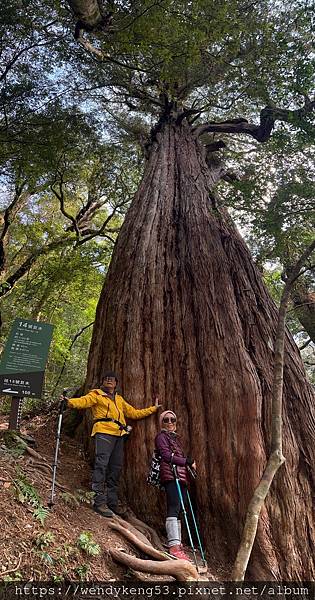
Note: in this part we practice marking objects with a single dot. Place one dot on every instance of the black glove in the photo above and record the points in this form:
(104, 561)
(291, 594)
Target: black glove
(189, 461)
(63, 404)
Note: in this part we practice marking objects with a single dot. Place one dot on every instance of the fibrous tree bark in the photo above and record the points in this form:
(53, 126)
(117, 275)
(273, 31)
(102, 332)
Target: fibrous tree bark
(184, 314)
(276, 458)
(90, 16)
(304, 307)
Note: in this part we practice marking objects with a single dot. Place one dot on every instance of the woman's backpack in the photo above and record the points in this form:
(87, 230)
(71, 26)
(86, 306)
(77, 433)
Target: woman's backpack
(153, 477)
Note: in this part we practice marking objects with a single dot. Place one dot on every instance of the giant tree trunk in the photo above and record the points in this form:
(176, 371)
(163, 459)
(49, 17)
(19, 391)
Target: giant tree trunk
(184, 314)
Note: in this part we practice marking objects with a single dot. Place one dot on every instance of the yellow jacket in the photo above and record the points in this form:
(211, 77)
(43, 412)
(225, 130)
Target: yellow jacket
(102, 407)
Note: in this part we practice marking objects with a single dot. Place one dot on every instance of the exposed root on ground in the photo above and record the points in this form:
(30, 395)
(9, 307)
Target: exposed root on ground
(35, 454)
(148, 531)
(32, 468)
(145, 547)
(182, 570)
(126, 525)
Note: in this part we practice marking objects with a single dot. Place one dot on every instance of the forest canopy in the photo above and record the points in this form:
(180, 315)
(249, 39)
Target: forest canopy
(77, 105)
(138, 139)
(78, 99)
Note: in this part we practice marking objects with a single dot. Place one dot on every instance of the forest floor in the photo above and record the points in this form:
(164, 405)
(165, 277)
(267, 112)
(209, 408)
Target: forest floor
(69, 541)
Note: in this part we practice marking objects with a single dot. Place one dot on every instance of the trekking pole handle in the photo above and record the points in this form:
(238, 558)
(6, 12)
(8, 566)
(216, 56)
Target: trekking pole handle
(63, 400)
(192, 472)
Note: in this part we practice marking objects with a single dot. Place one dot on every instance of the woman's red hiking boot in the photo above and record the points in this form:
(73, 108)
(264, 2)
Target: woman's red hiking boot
(178, 552)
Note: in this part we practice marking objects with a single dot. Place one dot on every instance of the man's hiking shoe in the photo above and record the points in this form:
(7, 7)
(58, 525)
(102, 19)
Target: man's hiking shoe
(103, 510)
(178, 552)
(119, 511)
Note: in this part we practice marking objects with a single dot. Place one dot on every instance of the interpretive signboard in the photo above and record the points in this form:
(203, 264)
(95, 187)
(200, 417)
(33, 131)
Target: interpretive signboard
(23, 360)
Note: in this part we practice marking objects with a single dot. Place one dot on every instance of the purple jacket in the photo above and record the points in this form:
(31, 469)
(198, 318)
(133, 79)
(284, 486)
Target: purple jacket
(168, 446)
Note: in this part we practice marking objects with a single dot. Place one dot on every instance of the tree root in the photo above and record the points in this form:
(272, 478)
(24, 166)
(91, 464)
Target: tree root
(44, 467)
(182, 570)
(144, 546)
(44, 476)
(148, 531)
(40, 465)
(35, 454)
(124, 525)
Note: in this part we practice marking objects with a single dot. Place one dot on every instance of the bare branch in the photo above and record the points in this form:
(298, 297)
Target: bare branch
(60, 196)
(261, 132)
(84, 216)
(23, 269)
(101, 230)
(8, 216)
(147, 9)
(90, 48)
(305, 344)
(308, 268)
(18, 54)
(106, 57)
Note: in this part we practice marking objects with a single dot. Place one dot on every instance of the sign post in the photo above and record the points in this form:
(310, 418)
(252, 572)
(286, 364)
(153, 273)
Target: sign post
(23, 363)
(15, 413)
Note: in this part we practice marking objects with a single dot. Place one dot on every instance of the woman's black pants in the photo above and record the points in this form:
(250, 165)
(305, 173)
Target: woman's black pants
(172, 497)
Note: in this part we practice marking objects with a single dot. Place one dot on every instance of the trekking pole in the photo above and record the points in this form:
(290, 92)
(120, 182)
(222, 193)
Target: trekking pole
(185, 514)
(62, 407)
(197, 531)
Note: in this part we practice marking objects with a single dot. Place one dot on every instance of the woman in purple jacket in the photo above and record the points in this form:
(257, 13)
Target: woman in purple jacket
(169, 448)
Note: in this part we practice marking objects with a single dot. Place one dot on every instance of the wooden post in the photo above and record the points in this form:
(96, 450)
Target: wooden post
(15, 412)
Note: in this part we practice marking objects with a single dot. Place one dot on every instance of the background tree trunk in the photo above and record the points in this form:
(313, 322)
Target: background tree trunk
(304, 305)
(184, 314)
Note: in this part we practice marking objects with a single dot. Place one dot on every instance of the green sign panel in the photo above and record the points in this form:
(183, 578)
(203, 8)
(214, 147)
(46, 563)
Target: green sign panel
(24, 358)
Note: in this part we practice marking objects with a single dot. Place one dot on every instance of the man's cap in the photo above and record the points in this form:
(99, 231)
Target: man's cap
(110, 374)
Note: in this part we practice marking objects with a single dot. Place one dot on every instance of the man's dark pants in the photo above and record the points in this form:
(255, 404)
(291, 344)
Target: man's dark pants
(109, 456)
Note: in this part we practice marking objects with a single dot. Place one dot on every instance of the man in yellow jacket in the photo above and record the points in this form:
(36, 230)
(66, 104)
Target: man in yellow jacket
(109, 428)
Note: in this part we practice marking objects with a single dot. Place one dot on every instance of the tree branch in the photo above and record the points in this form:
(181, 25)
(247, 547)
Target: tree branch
(6, 286)
(84, 216)
(101, 230)
(18, 54)
(8, 216)
(105, 57)
(305, 344)
(60, 196)
(261, 132)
